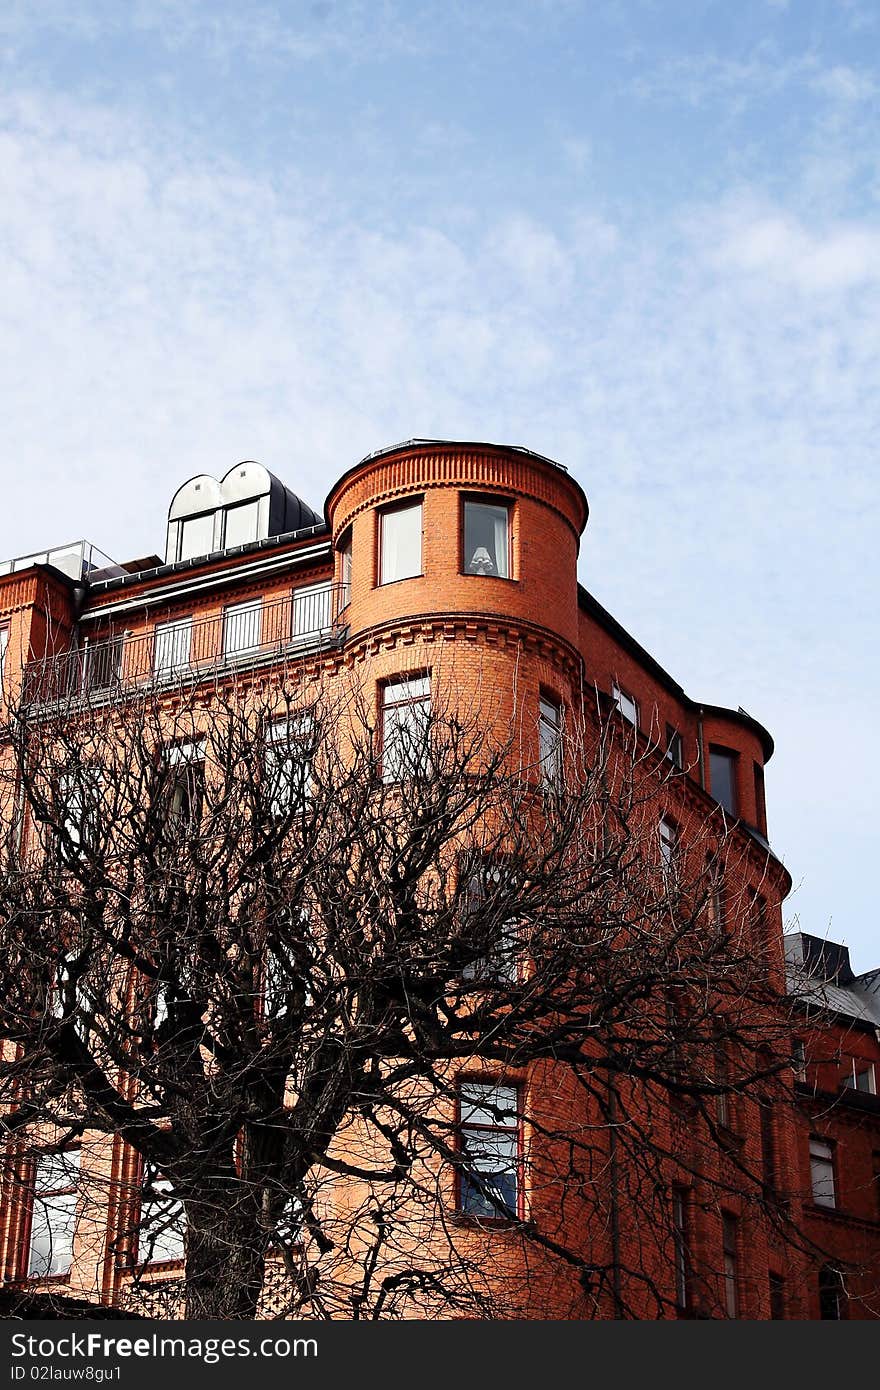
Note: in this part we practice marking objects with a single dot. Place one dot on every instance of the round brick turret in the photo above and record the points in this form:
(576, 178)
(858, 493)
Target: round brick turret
(547, 512)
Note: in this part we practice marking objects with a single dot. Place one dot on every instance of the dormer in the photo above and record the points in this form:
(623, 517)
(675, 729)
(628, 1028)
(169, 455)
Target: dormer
(248, 504)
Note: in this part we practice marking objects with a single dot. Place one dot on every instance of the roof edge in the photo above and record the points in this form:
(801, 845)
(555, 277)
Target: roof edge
(591, 605)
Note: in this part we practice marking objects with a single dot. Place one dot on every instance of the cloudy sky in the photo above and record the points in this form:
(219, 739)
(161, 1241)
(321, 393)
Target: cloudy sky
(640, 236)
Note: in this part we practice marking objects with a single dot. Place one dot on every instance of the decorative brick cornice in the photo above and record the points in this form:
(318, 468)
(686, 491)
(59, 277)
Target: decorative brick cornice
(491, 630)
(486, 469)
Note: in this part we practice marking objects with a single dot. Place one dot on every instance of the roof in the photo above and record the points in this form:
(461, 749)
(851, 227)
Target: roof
(820, 975)
(590, 604)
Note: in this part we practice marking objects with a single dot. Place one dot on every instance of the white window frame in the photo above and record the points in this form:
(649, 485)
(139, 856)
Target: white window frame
(406, 713)
(498, 507)
(550, 731)
(251, 505)
(4, 651)
(396, 566)
(287, 762)
(308, 604)
(172, 646)
(182, 524)
(627, 705)
(172, 1215)
(822, 1175)
(667, 833)
(674, 747)
(57, 1199)
(478, 1103)
(243, 620)
(186, 756)
(862, 1068)
(346, 564)
(503, 963)
(81, 791)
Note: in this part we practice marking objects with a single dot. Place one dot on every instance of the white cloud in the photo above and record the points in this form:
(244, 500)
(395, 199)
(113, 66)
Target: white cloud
(534, 256)
(778, 246)
(843, 83)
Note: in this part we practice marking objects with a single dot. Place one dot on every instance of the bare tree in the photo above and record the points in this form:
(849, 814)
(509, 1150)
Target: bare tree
(426, 1018)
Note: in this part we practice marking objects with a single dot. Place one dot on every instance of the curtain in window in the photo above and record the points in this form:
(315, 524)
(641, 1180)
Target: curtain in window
(499, 528)
(401, 543)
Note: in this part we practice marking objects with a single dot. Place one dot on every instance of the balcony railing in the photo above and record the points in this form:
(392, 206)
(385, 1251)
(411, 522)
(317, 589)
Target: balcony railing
(186, 649)
(78, 560)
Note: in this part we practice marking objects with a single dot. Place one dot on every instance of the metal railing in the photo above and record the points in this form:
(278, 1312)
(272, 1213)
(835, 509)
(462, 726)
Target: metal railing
(78, 560)
(184, 649)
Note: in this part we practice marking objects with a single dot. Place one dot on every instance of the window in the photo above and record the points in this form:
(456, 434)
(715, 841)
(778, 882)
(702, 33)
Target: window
(728, 1245)
(288, 764)
(81, 795)
(550, 740)
(717, 903)
(289, 1230)
(82, 1003)
(487, 539)
(159, 1010)
(862, 1077)
(242, 627)
(312, 610)
(278, 976)
(242, 524)
(759, 904)
(185, 762)
(346, 554)
(875, 1162)
(196, 536)
(799, 1059)
(626, 705)
(400, 542)
(102, 663)
(668, 844)
(722, 1078)
(832, 1294)
(172, 646)
(162, 1224)
(680, 1244)
(777, 1297)
(53, 1217)
(760, 803)
(673, 747)
(499, 959)
(406, 714)
(768, 1146)
(722, 777)
(489, 1180)
(4, 645)
(287, 965)
(822, 1172)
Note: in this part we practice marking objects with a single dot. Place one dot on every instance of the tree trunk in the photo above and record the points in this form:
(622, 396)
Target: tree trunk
(225, 1264)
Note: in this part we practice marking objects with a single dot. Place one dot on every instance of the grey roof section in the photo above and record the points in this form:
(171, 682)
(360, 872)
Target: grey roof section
(820, 976)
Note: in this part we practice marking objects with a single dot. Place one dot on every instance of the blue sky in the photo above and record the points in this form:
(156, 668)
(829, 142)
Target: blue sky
(640, 236)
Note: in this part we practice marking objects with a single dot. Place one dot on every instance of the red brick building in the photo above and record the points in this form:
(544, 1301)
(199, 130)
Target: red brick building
(837, 1069)
(426, 548)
